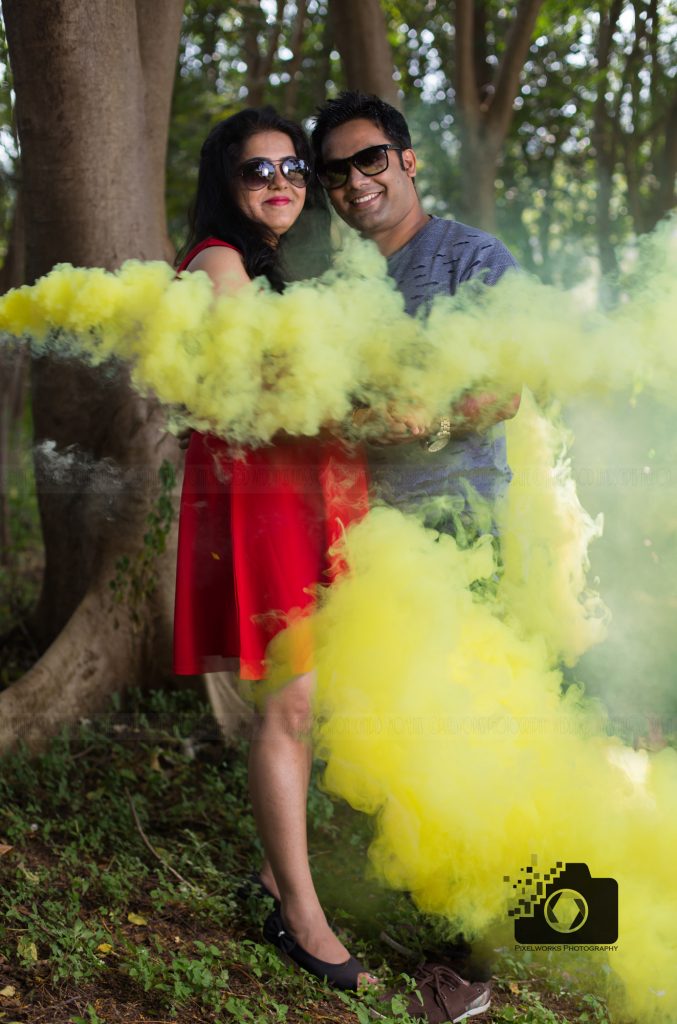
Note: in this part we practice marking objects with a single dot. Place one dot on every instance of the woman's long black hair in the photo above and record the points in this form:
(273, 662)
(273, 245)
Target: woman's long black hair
(303, 251)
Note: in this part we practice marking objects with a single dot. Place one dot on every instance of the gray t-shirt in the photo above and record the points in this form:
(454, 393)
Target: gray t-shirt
(440, 257)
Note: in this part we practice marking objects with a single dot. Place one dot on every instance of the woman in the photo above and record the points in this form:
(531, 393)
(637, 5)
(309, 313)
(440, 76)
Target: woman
(254, 530)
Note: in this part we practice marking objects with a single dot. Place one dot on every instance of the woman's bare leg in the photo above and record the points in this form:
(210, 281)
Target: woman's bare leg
(279, 772)
(266, 873)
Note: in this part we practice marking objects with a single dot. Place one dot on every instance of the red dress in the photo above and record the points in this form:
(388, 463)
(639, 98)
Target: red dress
(255, 535)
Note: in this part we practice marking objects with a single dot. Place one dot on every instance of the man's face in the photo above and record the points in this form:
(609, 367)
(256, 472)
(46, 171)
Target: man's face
(377, 204)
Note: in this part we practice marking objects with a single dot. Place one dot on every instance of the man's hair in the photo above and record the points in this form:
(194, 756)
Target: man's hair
(349, 106)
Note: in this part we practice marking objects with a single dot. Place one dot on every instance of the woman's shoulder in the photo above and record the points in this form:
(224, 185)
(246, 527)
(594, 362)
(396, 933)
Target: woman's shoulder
(216, 245)
(222, 262)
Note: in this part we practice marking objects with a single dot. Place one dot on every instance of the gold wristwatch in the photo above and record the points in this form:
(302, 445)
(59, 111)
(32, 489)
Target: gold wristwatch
(439, 440)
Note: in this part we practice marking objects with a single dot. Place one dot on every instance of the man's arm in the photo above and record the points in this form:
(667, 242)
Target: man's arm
(473, 412)
(487, 260)
(482, 410)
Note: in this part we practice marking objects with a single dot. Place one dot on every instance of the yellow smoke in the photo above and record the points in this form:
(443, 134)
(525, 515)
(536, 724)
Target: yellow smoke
(248, 366)
(442, 715)
(439, 705)
(545, 534)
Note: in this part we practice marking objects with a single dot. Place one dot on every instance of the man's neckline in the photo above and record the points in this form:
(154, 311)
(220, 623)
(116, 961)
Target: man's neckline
(431, 219)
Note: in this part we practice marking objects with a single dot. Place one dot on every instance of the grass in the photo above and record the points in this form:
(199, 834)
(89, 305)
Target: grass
(96, 928)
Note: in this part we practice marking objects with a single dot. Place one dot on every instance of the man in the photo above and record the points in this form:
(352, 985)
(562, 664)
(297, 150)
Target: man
(366, 163)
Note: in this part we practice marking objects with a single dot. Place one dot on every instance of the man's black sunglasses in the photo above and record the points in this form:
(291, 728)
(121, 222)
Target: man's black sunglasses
(369, 161)
(259, 172)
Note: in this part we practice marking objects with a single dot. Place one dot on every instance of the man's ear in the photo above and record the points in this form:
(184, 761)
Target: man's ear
(409, 162)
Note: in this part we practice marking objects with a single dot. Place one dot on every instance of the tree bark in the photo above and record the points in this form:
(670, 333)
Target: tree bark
(362, 40)
(666, 163)
(604, 139)
(663, 133)
(646, 152)
(92, 184)
(484, 110)
(158, 44)
(13, 367)
(260, 62)
(294, 66)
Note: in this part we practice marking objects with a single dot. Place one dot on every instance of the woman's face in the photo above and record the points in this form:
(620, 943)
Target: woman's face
(279, 203)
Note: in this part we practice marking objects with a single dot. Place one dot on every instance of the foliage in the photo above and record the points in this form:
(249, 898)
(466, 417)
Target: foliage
(548, 182)
(89, 915)
(9, 149)
(259, 51)
(222, 48)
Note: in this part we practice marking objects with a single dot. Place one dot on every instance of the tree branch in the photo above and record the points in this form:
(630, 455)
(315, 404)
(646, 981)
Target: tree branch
(147, 843)
(273, 42)
(259, 64)
(604, 147)
(606, 31)
(466, 90)
(508, 75)
(296, 47)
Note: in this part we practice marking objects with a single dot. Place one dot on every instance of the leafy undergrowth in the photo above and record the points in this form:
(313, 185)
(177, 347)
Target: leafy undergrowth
(95, 926)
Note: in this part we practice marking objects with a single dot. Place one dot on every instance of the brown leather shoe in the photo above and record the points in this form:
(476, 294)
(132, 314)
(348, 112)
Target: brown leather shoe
(445, 996)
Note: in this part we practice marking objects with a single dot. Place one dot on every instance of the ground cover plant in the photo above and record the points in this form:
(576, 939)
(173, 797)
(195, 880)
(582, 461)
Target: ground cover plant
(122, 850)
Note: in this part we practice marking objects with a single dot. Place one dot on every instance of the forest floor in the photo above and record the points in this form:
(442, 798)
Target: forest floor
(94, 927)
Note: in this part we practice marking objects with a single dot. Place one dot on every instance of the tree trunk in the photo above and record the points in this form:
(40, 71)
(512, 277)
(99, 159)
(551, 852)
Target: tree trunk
(663, 132)
(13, 365)
(260, 63)
(666, 165)
(646, 152)
(295, 64)
(478, 165)
(604, 138)
(92, 184)
(362, 40)
(484, 109)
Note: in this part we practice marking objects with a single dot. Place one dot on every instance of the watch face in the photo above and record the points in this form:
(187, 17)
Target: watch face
(437, 443)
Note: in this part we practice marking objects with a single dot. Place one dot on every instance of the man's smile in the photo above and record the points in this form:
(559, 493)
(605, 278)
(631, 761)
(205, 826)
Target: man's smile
(365, 199)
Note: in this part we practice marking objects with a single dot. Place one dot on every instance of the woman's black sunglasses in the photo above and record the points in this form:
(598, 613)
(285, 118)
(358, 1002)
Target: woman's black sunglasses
(260, 172)
(369, 161)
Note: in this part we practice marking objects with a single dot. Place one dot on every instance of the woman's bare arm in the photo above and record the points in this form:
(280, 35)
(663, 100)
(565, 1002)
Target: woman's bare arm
(225, 268)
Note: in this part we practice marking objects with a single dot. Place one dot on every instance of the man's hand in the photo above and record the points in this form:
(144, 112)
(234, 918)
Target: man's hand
(473, 412)
(392, 425)
(480, 411)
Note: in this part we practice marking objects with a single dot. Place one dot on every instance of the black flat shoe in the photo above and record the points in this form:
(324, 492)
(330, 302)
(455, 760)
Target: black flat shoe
(344, 975)
(253, 885)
